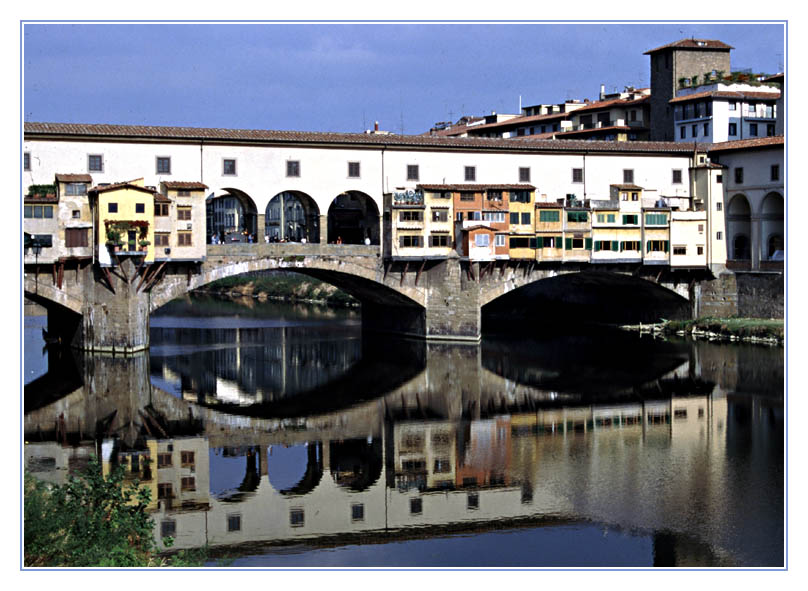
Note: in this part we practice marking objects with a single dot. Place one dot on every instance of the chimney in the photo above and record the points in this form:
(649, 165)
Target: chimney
(602, 91)
(376, 126)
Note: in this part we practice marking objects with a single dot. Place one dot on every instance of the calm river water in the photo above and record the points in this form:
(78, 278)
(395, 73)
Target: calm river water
(281, 436)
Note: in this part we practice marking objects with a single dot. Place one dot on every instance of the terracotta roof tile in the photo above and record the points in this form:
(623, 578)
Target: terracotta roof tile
(628, 187)
(39, 198)
(618, 102)
(727, 94)
(73, 178)
(775, 140)
(697, 44)
(185, 185)
(136, 132)
(112, 187)
(477, 187)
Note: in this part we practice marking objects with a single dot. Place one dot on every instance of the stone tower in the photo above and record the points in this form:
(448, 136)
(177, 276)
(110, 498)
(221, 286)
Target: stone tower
(669, 63)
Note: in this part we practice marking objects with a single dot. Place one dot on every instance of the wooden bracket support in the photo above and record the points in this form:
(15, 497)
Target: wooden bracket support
(403, 273)
(418, 275)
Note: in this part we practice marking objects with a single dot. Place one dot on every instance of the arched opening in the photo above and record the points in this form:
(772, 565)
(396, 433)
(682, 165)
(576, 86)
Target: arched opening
(356, 463)
(739, 228)
(231, 217)
(741, 250)
(353, 218)
(292, 216)
(772, 215)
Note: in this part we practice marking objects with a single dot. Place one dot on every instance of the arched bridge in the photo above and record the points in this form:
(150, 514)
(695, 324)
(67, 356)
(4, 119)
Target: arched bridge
(107, 309)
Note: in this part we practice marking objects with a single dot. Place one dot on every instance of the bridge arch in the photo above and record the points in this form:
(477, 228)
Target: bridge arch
(292, 216)
(353, 218)
(50, 296)
(308, 480)
(231, 215)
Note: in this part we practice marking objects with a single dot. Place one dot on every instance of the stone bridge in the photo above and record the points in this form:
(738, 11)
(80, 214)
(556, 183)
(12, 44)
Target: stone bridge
(107, 309)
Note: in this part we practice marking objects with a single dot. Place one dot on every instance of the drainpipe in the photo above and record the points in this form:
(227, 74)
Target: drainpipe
(201, 173)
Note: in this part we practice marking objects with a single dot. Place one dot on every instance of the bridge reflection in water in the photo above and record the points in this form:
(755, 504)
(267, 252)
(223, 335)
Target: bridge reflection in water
(424, 440)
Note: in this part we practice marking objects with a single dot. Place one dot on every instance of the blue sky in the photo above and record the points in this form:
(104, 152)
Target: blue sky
(343, 77)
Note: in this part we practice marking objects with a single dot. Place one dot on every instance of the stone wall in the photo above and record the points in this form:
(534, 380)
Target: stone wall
(747, 295)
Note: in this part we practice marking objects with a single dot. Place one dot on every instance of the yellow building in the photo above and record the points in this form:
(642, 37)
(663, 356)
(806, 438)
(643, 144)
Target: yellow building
(124, 222)
(577, 234)
(549, 219)
(656, 235)
(522, 230)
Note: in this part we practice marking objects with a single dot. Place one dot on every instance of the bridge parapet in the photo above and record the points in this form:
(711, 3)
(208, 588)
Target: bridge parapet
(287, 249)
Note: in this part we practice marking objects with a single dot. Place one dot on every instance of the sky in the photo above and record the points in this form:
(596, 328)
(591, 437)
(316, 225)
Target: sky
(343, 77)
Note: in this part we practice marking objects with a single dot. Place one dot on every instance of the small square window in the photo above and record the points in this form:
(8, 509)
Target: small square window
(163, 460)
(524, 175)
(357, 512)
(412, 172)
(577, 175)
(473, 501)
(753, 131)
(416, 506)
(76, 214)
(188, 483)
(229, 167)
(187, 458)
(163, 165)
(677, 177)
(95, 163)
(628, 175)
(719, 206)
(234, 522)
(168, 529)
(140, 208)
(682, 132)
(699, 250)
(184, 213)
(297, 518)
(719, 235)
(739, 175)
(470, 173)
(719, 178)
(26, 161)
(775, 172)
(733, 129)
(112, 208)
(353, 170)
(293, 168)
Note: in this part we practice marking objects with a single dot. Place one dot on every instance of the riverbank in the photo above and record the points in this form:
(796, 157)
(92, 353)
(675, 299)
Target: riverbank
(288, 287)
(753, 330)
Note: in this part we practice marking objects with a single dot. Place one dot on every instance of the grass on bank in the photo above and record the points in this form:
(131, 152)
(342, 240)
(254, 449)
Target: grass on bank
(291, 286)
(94, 521)
(738, 327)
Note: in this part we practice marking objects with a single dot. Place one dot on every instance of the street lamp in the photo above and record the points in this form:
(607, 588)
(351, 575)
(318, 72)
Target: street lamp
(36, 246)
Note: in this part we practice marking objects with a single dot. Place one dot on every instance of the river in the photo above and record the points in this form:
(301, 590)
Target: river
(281, 436)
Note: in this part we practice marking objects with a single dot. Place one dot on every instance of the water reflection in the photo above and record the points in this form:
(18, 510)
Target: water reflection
(406, 442)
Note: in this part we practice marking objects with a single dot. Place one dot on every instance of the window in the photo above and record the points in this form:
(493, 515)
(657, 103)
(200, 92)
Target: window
(357, 512)
(694, 130)
(606, 218)
(753, 129)
(719, 235)
(732, 105)
(112, 208)
(719, 206)
(439, 240)
(499, 240)
(549, 215)
(656, 246)
(494, 216)
(470, 173)
(184, 213)
(577, 243)
(410, 216)
(525, 218)
(140, 208)
(680, 250)
(168, 528)
(701, 228)
(38, 211)
(520, 196)
(700, 249)
(719, 178)
(739, 175)
(494, 195)
(482, 240)
(95, 163)
(733, 129)
(187, 458)
(161, 209)
(466, 196)
(549, 242)
(682, 132)
(188, 483)
(775, 172)
(234, 522)
(293, 168)
(577, 216)
(632, 245)
(353, 170)
(677, 177)
(770, 129)
(442, 465)
(524, 175)
(514, 218)
(656, 219)
(632, 115)
(75, 189)
(409, 241)
(473, 501)
(26, 161)
(183, 193)
(163, 460)
(706, 129)
(76, 237)
(630, 219)
(161, 239)
(606, 245)
(164, 490)
(297, 518)
(412, 172)
(577, 175)
(628, 175)
(416, 506)
(440, 215)
(184, 239)
(229, 167)
(76, 214)
(163, 165)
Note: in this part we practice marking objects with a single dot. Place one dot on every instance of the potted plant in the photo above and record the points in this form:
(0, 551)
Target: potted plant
(144, 245)
(114, 239)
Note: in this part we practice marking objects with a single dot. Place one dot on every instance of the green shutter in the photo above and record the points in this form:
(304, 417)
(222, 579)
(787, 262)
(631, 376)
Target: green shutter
(648, 246)
(666, 246)
(588, 244)
(568, 244)
(615, 245)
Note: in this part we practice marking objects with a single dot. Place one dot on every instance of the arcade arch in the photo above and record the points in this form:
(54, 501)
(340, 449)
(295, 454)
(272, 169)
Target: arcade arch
(739, 227)
(353, 218)
(292, 216)
(231, 217)
(772, 216)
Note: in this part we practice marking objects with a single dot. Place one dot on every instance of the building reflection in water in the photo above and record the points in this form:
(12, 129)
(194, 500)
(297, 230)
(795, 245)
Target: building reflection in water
(454, 447)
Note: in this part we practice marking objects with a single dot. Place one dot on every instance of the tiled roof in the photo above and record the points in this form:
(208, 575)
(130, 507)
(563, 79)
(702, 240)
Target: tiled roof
(137, 132)
(730, 94)
(599, 130)
(160, 198)
(698, 44)
(114, 186)
(548, 204)
(478, 187)
(40, 198)
(618, 102)
(73, 178)
(185, 185)
(628, 187)
(775, 140)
